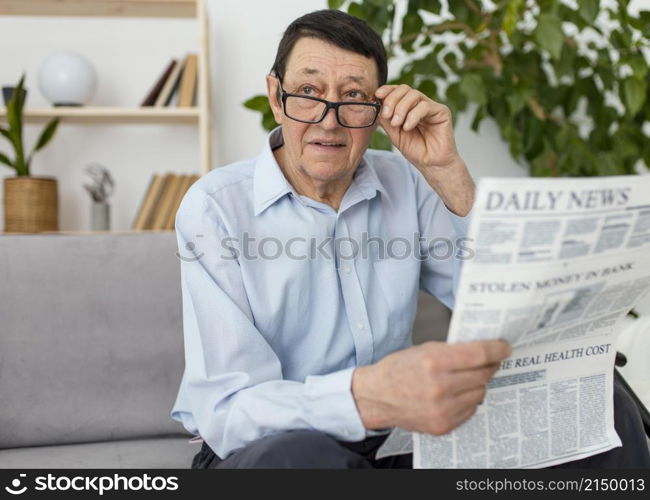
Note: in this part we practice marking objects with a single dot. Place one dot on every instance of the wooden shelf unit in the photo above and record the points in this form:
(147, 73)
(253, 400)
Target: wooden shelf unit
(110, 114)
(130, 8)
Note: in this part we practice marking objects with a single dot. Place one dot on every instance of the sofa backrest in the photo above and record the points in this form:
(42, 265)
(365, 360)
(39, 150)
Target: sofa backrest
(91, 343)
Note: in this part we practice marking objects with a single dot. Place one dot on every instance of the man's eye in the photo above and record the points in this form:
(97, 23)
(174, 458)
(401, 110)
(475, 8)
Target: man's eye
(306, 90)
(356, 95)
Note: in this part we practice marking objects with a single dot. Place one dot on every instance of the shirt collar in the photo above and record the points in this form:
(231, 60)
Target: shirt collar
(365, 179)
(270, 184)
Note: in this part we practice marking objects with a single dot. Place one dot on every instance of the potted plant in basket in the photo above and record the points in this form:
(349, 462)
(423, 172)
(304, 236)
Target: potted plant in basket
(30, 203)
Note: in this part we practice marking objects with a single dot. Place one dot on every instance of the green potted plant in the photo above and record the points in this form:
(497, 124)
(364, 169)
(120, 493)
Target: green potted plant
(567, 83)
(30, 202)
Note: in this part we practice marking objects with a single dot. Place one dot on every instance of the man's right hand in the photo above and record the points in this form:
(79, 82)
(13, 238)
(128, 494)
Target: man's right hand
(430, 388)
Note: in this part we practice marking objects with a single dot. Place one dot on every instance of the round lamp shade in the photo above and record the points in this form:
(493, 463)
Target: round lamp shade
(67, 79)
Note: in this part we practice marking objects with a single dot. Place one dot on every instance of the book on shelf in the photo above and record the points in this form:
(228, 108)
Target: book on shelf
(143, 217)
(150, 100)
(171, 85)
(166, 198)
(186, 182)
(187, 89)
(161, 201)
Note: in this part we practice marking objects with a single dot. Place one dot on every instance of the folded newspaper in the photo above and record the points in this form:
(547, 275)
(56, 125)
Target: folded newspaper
(555, 265)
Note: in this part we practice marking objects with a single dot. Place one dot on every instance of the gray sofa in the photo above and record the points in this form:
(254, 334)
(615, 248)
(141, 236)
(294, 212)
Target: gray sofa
(91, 351)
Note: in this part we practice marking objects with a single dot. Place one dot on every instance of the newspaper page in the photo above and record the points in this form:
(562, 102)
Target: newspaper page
(554, 265)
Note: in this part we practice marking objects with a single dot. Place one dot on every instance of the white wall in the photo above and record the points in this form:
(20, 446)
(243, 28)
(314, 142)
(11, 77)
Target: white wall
(129, 54)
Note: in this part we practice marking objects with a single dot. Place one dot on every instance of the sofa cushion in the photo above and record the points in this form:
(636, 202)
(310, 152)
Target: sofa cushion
(91, 347)
(162, 453)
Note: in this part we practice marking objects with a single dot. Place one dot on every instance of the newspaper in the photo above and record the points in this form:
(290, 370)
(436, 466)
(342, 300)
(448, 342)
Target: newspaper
(556, 264)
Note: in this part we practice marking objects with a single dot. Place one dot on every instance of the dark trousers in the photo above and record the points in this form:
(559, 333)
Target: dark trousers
(305, 449)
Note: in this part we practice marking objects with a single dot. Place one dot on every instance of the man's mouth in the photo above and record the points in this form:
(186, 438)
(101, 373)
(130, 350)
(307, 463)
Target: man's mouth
(328, 144)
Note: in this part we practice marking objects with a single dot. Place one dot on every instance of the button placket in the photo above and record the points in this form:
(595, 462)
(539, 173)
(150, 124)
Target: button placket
(355, 306)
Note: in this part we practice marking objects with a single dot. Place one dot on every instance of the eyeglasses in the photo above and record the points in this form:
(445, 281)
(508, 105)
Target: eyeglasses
(307, 109)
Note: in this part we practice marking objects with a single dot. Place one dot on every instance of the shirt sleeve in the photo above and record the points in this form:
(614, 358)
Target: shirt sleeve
(232, 391)
(444, 242)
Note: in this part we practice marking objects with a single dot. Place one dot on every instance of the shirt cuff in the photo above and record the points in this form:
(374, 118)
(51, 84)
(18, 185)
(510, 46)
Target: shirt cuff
(332, 408)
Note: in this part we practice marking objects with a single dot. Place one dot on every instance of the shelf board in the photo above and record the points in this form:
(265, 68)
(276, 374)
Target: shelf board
(110, 8)
(110, 114)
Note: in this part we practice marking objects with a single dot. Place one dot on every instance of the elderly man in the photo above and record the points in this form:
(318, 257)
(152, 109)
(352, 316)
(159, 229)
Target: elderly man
(300, 296)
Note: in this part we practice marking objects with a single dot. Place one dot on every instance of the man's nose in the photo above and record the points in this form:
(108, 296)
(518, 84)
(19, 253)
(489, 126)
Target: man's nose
(330, 121)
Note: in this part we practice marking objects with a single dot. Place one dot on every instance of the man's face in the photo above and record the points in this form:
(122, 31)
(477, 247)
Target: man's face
(324, 151)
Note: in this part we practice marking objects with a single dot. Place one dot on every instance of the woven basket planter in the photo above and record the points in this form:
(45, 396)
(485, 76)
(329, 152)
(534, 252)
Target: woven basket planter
(30, 204)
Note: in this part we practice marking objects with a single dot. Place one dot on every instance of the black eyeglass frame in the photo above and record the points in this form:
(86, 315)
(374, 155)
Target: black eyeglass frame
(328, 105)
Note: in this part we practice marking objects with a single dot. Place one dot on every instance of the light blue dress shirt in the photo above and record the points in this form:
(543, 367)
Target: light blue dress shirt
(283, 296)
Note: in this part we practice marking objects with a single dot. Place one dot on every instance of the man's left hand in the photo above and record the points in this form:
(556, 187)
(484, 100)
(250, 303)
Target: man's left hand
(423, 132)
(418, 126)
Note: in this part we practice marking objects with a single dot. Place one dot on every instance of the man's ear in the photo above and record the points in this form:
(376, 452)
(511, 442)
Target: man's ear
(273, 93)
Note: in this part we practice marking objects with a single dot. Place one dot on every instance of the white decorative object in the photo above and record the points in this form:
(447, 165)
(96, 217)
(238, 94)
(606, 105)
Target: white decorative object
(67, 79)
(100, 188)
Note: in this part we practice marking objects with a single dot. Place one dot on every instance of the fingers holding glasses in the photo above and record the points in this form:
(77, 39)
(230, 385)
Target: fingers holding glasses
(402, 106)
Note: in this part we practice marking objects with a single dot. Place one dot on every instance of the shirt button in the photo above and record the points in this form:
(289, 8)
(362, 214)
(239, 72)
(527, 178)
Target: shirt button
(346, 269)
(360, 325)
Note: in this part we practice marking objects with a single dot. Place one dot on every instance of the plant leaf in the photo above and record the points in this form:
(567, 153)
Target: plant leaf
(15, 121)
(566, 63)
(513, 12)
(638, 64)
(380, 3)
(6, 134)
(533, 138)
(47, 134)
(588, 10)
(258, 103)
(376, 14)
(429, 89)
(478, 117)
(634, 92)
(549, 35)
(644, 16)
(261, 104)
(472, 86)
(412, 23)
(4, 159)
(428, 5)
(18, 98)
(379, 140)
(455, 100)
(268, 121)
(335, 4)
(518, 98)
